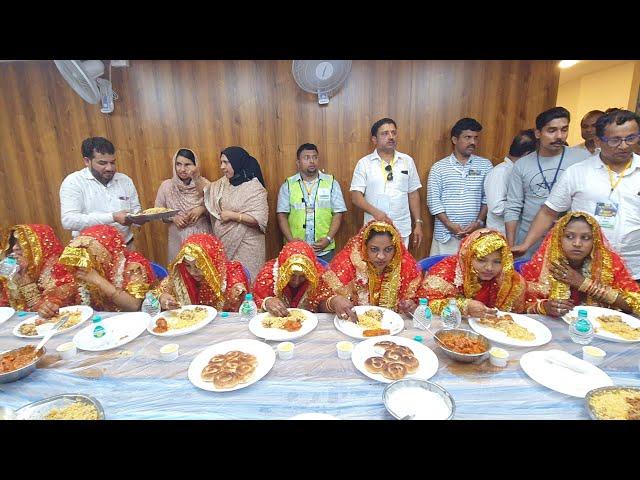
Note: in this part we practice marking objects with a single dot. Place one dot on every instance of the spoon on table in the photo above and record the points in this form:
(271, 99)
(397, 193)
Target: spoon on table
(52, 331)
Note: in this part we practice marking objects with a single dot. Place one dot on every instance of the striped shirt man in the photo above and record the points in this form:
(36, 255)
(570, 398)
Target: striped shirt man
(457, 190)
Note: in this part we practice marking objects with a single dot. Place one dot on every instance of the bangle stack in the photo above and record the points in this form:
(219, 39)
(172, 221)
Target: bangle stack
(602, 293)
(328, 304)
(264, 302)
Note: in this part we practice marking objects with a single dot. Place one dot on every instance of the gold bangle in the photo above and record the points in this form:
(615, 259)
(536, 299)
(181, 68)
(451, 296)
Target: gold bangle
(541, 309)
(240, 218)
(263, 303)
(583, 286)
(328, 303)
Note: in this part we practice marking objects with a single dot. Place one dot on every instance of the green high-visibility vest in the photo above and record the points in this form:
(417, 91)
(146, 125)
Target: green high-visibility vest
(323, 214)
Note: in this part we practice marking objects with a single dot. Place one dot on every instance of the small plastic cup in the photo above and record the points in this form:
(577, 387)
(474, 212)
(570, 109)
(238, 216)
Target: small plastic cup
(593, 355)
(67, 350)
(344, 349)
(169, 352)
(285, 350)
(498, 357)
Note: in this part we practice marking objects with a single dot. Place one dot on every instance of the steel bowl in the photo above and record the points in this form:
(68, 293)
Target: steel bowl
(25, 371)
(38, 410)
(414, 382)
(462, 357)
(587, 398)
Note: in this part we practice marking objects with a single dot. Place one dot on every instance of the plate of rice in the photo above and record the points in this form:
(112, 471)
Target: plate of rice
(181, 321)
(375, 320)
(297, 324)
(609, 324)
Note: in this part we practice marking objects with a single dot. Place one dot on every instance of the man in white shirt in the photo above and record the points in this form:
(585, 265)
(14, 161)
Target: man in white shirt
(97, 194)
(385, 184)
(588, 131)
(496, 181)
(605, 186)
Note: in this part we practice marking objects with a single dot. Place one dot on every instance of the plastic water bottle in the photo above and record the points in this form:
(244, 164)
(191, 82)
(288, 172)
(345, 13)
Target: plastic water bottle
(581, 329)
(451, 316)
(248, 309)
(422, 315)
(9, 267)
(98, 329)
(150, 304)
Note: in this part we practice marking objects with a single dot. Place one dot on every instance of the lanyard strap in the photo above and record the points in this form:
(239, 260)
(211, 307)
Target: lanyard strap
(555, 177)
(309, 190)
(610, 172)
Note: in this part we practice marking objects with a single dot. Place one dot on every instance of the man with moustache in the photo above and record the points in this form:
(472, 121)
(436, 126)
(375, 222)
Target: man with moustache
(534, 175)
(97, 194)
(385, 184)
(588, 131)
(607, 186)
(310, 204)
(455, 191)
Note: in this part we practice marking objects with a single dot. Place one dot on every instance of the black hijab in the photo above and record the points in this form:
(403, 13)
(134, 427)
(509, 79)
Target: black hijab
(245, 167)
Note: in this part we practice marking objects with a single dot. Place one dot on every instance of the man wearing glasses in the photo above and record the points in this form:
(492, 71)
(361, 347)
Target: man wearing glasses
(455, 191)
(606, 186)
(385, 184)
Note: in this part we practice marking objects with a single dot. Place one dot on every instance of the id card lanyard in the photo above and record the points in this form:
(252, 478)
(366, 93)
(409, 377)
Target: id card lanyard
(555, 177)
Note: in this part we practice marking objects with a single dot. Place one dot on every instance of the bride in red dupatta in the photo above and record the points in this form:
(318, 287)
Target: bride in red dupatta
(374, 268)
(290, 280)
(38, 284)
(576, 266)
(107, 275)
(480, 277)
(201, 275)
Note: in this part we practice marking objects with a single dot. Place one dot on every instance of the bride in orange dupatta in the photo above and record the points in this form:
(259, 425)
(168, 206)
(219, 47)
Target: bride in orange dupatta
(290, 280)
(374, 268)
(106, 275)
(38, 284)
(201, 275)
(576, 266)
(480, 277)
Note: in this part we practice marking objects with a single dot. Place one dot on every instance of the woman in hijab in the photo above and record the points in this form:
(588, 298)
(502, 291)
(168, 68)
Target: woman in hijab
(184, 192)
(239, 211)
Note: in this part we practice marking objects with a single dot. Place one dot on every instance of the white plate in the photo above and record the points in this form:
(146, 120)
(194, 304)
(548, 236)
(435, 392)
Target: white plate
(562, 379)
(120, 330)
(593, 312)
(255, 326)
(428, 360)
(390, 321)
(87, 313)
(211, 314)
(6, 313)
(542, 333)
(263, 352)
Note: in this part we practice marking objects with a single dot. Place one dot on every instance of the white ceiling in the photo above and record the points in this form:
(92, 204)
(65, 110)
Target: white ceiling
(586, 66)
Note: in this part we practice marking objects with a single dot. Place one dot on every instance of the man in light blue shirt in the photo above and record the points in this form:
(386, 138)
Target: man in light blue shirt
(455, 191)
(310, 204)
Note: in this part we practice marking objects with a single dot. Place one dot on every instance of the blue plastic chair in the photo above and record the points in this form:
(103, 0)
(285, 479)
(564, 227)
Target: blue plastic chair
(519, 263)
(428, 262)
(322, 262)
(159, 270)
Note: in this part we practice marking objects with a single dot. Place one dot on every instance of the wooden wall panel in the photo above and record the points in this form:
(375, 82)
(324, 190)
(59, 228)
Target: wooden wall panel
(208, 105)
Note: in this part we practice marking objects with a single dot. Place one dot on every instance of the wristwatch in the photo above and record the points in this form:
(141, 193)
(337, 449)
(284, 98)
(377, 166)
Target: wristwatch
(329, 238)
(481, 222)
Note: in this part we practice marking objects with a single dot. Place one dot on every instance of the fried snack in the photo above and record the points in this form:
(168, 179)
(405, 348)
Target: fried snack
(161, 326)
(229, 369)
(614, 324)
(371, 319)
(394, 370)
(376, 332)
(374, 364)
(411, 362)
(291, 323)
(152, 211)
(507, 325)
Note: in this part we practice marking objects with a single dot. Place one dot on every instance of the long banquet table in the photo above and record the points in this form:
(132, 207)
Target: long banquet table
(132, 382)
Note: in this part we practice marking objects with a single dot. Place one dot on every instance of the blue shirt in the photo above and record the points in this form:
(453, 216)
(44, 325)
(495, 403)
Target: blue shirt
(456, 190)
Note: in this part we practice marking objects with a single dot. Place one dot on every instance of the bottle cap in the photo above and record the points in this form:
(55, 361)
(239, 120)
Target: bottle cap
(583, 326)
(97, 318)
(248, 296)
(423, 301)
(582, 313)
(224, 314)
(11, 260)
(418, 338)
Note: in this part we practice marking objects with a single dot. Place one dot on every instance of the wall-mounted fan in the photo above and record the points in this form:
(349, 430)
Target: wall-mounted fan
(322, 77)
(84, 76)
